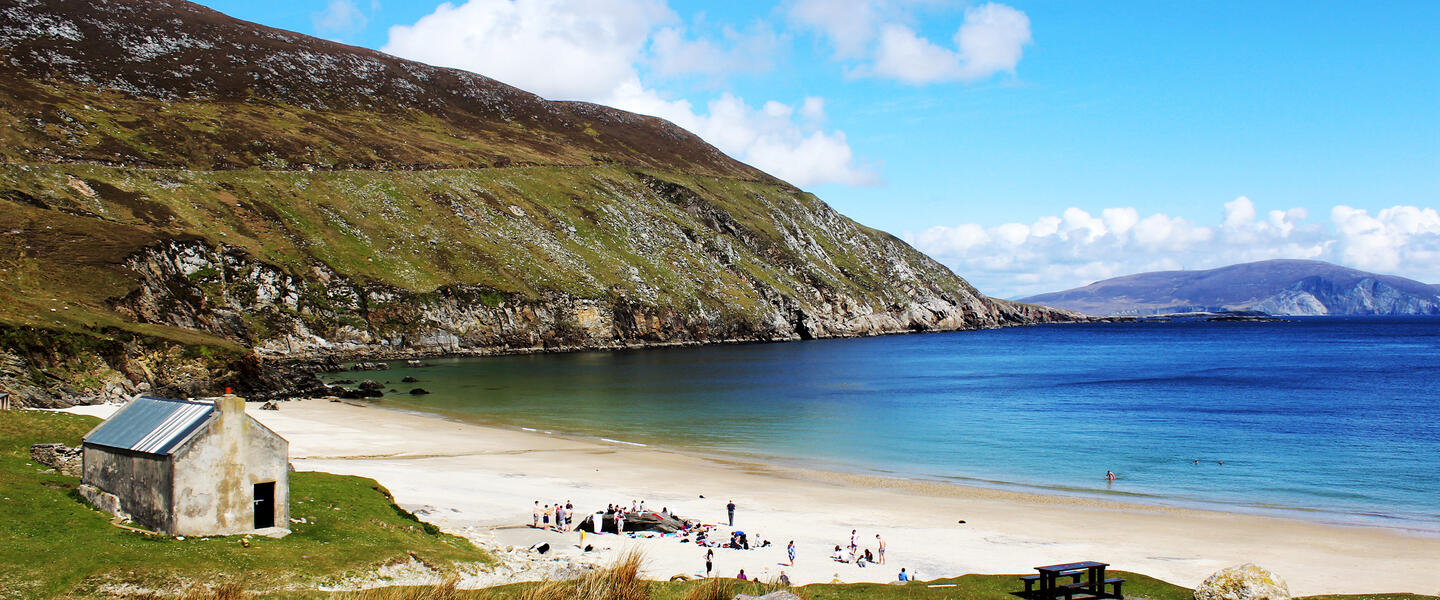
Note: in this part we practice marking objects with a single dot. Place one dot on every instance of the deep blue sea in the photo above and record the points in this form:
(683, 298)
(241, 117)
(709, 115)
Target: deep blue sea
(1333, 418)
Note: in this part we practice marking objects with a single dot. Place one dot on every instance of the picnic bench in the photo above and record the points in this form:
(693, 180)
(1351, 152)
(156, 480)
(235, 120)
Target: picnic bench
(1087, 581)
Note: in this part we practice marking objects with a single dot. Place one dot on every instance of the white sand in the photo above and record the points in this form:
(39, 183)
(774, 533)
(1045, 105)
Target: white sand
(481, 482)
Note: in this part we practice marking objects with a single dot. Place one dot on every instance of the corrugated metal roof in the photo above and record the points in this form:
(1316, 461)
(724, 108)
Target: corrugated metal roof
(151, 425)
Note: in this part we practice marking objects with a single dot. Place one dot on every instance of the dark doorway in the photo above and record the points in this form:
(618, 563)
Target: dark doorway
(264, 505)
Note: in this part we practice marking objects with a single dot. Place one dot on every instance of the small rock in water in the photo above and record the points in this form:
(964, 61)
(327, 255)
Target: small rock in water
(419, 392)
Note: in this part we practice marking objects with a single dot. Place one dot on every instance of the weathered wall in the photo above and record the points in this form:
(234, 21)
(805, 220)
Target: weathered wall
(215, 474)
(141, 481)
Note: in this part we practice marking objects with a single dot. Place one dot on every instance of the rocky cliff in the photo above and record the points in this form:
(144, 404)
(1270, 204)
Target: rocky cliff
(1277, 287)
(185, 198)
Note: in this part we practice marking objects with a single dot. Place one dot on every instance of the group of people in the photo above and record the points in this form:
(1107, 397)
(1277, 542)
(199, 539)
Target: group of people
(856, 554)
(560, 517)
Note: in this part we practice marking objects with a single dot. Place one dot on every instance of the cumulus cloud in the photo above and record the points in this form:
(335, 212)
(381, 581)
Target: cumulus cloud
(1076, 247)
(990, 41)
(673, 53)
(594, 50)
(877, 33)
(339, 17)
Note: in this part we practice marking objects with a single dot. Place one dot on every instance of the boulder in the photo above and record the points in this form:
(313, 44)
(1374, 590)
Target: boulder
(419, 392)
(1243, 582)
(104, 501)
(636, 521)
(370, 385)
(270, 406)
(60, 457)
(408, 379)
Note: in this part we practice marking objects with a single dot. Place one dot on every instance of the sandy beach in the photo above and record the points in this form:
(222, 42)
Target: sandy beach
(481, 482)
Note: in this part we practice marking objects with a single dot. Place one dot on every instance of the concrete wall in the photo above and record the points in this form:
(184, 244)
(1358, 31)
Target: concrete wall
(216, 472)
(141, 481)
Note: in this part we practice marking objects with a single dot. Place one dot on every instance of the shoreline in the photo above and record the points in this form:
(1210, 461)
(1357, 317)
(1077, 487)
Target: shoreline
(798, 468)
(480, 481)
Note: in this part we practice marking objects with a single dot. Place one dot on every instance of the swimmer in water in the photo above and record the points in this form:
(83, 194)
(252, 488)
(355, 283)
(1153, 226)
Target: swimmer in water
(1109, 476)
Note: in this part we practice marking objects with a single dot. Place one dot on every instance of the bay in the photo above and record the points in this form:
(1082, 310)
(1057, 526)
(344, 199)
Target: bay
(1328, 418)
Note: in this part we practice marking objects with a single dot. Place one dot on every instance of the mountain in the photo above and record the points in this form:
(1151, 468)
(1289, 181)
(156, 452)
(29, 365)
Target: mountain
(186, 197)
(1279, 287)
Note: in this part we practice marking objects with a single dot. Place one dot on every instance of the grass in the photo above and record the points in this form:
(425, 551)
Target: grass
(351, 526)
(620, 582)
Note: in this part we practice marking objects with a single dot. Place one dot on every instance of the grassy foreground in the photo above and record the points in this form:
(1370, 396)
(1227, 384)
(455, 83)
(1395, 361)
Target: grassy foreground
(52, 544)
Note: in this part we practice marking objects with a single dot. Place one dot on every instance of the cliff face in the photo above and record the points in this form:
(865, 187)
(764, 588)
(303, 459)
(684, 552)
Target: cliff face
(1278, 287)
(203, 191)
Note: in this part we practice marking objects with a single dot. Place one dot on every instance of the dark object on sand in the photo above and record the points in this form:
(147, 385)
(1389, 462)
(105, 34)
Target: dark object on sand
(419, 392)
(589, 548)
(408, 379)
(636, 521)
(541, 548)
(961, 521)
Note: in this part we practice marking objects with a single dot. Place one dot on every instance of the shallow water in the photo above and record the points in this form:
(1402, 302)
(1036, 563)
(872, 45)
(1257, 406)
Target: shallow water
(1329, 418)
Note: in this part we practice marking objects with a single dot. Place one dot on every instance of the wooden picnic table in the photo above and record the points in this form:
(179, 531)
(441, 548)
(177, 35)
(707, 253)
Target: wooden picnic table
(1087, 578)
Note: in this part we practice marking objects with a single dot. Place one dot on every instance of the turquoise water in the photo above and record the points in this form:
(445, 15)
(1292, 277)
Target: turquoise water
(1334, 419)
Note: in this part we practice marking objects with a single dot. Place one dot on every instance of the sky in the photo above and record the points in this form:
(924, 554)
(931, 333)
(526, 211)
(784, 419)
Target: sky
(1028, 146)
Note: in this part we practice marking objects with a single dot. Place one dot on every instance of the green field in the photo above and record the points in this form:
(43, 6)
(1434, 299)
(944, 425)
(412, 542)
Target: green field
(52, 544)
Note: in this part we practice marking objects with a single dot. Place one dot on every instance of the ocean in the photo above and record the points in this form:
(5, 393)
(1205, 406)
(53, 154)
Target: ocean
(1327, 418)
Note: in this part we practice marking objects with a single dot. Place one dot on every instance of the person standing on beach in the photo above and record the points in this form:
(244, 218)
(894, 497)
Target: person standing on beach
(620, 523)
(730, 508)
(790, 551)
(881, 553)
(569, 515)
(545, 516)
(853, 546)
(535, 516)
(709, 561)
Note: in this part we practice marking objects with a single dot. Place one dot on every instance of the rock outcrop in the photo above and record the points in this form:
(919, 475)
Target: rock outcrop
(64, 459)
(1243, 582)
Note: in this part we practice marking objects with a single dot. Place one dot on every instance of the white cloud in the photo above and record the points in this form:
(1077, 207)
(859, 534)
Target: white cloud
(593, 49)
(561, 49)
(850, 25)
(340, 17)
(672, 53)
(1075, 248)
(991, 39)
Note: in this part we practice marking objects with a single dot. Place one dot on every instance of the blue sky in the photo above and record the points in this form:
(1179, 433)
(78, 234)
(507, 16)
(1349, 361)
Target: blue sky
(1030, 146)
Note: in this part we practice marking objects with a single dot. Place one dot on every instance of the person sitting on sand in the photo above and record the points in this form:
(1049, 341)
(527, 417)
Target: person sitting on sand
(903, 576)
(742, 576)
(870, 558)
(838, 555)
(783, 579)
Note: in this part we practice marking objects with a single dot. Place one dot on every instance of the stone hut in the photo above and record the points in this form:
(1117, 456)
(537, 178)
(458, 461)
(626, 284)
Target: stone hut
(187, 467)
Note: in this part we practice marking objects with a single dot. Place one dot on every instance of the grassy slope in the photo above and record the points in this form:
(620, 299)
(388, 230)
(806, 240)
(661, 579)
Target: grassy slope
(518, 231)
(52, 543)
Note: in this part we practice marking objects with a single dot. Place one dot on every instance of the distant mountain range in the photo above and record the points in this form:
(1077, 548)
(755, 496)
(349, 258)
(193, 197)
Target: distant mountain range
(1277, 287)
